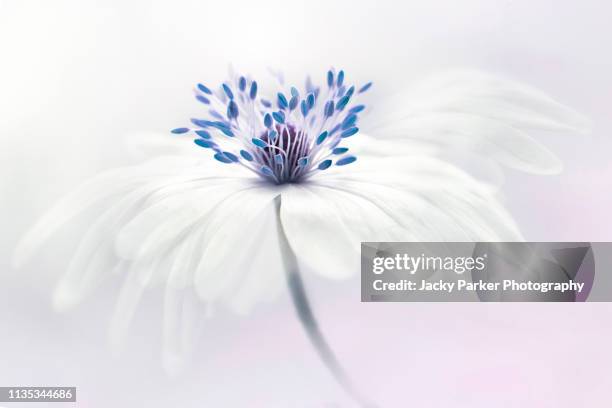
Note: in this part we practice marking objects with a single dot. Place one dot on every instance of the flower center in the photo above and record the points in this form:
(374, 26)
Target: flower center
(286, 144)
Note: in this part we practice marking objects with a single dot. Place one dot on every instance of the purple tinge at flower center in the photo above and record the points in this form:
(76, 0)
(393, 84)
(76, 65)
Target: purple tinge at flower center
(283, 144)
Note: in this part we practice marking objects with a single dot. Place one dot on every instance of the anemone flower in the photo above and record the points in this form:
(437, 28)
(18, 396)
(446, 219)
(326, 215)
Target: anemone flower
(262, 188)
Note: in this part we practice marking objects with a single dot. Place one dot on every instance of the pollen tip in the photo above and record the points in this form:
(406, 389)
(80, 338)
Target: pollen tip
(346, 160)
(219, 156)
(322, 137)
(179, 131)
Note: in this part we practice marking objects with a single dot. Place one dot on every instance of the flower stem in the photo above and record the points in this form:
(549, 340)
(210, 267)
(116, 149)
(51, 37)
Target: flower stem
(307, 317)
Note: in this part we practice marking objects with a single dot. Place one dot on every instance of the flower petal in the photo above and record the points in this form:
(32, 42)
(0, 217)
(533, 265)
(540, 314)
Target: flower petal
(233, 245)
(317, 232)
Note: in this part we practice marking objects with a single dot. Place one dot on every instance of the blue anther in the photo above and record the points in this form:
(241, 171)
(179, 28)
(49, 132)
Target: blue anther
(204, 143)
(329, 108)
(246, 155)
(365, 87)
(259, 143)
(322, 137)
(253, 91)
(267, 120)
(340, 78)
(203, 99)
(279, 117)
(343, 102)
(311, 100)
(282, 101)
(349, 121)
(204, 89)
(267, 171)
(325, 164)
(228, 91)
(203, 134)
(349, 132)
(231, 156)
(232, 110)
(346, 160)
(222, 158)
(357, 109)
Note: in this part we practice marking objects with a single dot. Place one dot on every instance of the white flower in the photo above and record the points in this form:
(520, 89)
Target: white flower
(295, 184)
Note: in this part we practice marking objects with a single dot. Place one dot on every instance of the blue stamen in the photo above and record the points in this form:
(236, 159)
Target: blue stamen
(349, 132)
(279, 117)
(267, 171)
(325, 164)
(357, 109)
(346, 160)
(201, 123)
(267, 120)
(330, 78)
(222, 158)
(343, 102)
(246, 155)
(204, 89)
(216, 114)
(231, 156)
(203, 134)
(204, 143)
(226, 131)
(365, 87)
(203, 99)
(322, 137)
(311, 100)
(228, 91)
(277, 145)
(349, 121)
(329, 108)
(259, 143)
(282, 101)
(232, 110)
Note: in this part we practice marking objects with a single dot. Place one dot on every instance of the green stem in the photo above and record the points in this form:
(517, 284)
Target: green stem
(307, 317)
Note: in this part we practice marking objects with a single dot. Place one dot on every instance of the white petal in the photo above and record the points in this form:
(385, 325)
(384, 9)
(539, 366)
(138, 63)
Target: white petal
(233, 242)
(423, 199)
(467, 110)
(317, 231)
(106, 186)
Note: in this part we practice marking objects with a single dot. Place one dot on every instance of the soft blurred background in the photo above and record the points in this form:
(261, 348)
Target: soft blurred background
(77, 77)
